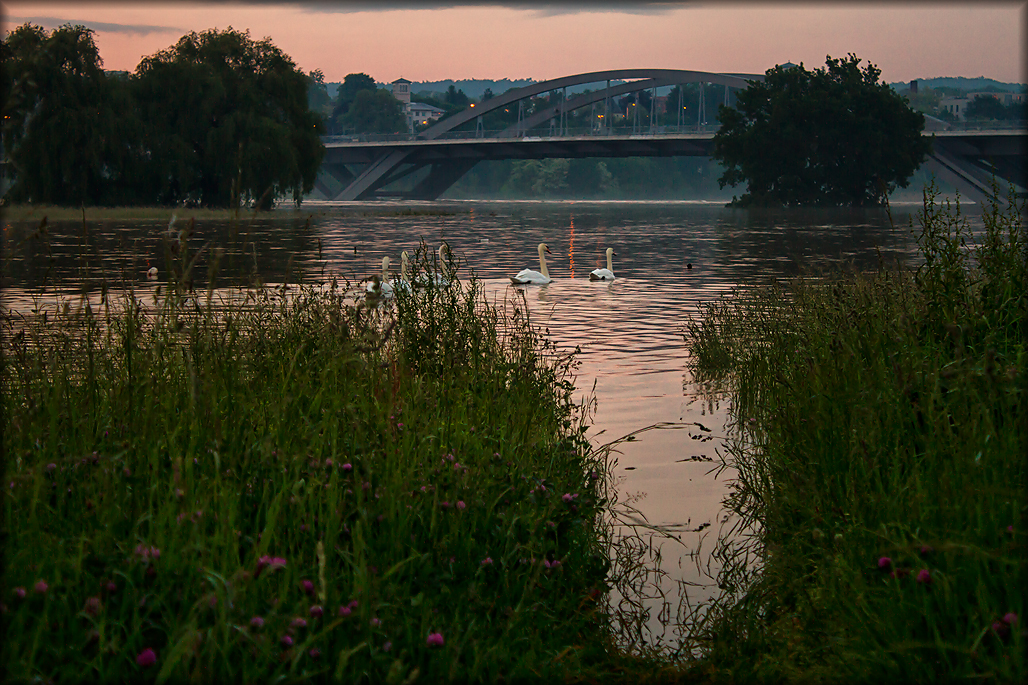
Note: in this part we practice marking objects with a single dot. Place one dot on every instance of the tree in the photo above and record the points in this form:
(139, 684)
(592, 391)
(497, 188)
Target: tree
(986, 107)
(456, 97)
(228, 122)
(352, 84)
(317, 93)
(376, 112)
(68, 130)
(832, 136)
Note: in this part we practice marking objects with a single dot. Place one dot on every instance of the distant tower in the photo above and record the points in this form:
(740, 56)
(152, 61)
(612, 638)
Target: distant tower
(913, 87)
(401, 91)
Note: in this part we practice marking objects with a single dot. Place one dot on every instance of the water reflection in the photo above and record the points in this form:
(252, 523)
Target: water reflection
(628, 330)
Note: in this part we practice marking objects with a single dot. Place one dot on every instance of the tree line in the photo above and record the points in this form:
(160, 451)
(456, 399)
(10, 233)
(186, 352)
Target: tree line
(216, 120)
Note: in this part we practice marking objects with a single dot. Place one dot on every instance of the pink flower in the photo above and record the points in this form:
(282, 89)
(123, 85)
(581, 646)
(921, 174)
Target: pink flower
(308, 587)
(345, 611)
(487, 561)
(112, 586)
(315, 653)
(146, 658)
(924, 576)
(884, 563)
(551, 564)
(386, 646)
(298, 623)
(375, 623)
(347, 466)
(256, 622)
(19, 592)
(435, 640)
(287, 641)
(444, 504)
(353, 604)
(460, 504)
(328, 463)
(317, 611)
(41, 587)
(568, 497)
(1010, 618)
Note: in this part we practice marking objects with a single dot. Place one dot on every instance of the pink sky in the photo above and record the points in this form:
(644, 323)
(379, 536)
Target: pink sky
(450, 40)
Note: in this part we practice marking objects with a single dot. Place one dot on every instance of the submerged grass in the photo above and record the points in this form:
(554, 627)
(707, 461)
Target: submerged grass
(294, 486)
(881, 466)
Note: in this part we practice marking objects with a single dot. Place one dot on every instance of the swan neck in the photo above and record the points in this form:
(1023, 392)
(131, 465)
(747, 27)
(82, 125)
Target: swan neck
(610, 261)
(542, 263)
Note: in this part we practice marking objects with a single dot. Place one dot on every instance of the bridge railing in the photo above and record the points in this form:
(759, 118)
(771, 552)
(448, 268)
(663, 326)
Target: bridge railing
(533, 134)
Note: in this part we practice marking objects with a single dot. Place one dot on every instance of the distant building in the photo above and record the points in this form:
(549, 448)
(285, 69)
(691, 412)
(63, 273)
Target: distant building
(401, 90)
(913, 87)
(954, 105)
(417, 113)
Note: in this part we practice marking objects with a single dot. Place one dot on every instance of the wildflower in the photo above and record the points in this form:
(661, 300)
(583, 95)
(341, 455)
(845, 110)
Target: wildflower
(487, 561)
(387, 646)
(298, 623)
(375, 622)
(1001, 629)
(307, 586)
(146, 658)
(884, 563)
(1010, 618)
(347, 466)
(435, 640)
(568, 497)
(460, 504)
(924, 576)
(317, 611)
(93, 606)
(314, 653)
(353, 604)
(256, 622)
(328, 463)
(287, 641)
(551, 564)
(41, 587)
(112, 586)
(345, 611)
(50, 467)
(1010, 529)
(19, 592)
(444, 504)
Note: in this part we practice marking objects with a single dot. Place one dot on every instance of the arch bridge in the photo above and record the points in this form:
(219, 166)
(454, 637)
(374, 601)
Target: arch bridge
(363, 168)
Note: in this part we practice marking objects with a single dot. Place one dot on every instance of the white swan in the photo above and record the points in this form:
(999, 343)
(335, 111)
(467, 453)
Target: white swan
(527, 276)
(403, 282)
(151, 273)
(380, 287)
(604, 274)
(437, 280)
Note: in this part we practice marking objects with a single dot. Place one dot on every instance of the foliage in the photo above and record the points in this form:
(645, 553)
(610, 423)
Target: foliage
(68, 129)
(832, 136)
(376, 111)
(347, 93)
(317, 94)
(880, 466)
(228, 121)
(294, 486)
(988, 107)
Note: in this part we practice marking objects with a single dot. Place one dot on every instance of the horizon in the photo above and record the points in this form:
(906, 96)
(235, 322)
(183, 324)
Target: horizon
(493, 40)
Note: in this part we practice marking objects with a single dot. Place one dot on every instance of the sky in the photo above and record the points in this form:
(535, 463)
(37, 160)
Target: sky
(431, 40)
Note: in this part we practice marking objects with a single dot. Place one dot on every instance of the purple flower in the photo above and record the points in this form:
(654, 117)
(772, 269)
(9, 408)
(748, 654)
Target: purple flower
(551, 564)
(924, 576)
(256, 622)
(93, 606)
(146, 658)
(287, 641)
(19, 592)
(926, 550)
(387, 646)
(307, 586)
(317, 611)
(41, 587)
(298, 623)
(460, 504)
(435, 640)
(112, 586)
(568, 497)
(375, 623)
(345, 611)
(347, 466)
(444, 504)
(353, 604)
(328, 463)
(315, 653)
(884, 563)
(51, 467)
(487, 561)
(1010, 618)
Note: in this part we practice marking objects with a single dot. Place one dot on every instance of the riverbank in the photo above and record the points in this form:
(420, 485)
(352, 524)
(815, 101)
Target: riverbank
(881, 424)
(286, 212)
(300, 488)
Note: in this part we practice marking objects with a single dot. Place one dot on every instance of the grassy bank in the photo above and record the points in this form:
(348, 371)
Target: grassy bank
(881, 466)
(299, 488)
(22, 213)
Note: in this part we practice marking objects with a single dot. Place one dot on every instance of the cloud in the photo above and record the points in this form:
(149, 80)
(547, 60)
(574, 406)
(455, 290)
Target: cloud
(539, 7)
(54, 22)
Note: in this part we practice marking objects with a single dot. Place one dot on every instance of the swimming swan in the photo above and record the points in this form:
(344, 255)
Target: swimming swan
(527, 276)
(403, 282)
(380, 287)
(437, 280)
(604, 274)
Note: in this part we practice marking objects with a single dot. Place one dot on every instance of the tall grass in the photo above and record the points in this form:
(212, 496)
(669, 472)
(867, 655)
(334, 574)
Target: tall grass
(881, 423)
(294, 486)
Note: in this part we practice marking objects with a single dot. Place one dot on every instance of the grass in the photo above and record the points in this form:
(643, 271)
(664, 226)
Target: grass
(291, 486)
(881, 422)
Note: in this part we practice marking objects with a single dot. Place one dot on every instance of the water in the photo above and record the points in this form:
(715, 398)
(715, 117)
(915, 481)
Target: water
(629, 331)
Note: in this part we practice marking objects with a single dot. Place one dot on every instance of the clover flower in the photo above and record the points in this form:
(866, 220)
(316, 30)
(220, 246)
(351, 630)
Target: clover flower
(884, 563)
(256, 622)
(435, 640)
(146, 658)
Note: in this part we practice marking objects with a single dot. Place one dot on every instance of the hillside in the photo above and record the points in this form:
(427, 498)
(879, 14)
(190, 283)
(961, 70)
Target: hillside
(967, 84)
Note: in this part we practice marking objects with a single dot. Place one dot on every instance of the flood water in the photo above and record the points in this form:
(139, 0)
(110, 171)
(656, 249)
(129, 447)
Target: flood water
(629, 331)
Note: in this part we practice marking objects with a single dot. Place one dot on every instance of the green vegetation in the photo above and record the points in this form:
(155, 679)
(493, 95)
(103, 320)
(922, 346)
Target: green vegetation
(217, 120)
(293, 485)
(833, 136)
(881, 472)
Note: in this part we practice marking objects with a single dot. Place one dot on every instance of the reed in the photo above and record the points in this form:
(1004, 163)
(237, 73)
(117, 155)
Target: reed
(289, 484)
(880, 424)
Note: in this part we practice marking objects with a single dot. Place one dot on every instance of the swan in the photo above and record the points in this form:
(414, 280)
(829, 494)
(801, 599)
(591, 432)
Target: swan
(402, 283)
(437, 280)
(151, 273)
(380, 287)
(604, 274)
(527, 276)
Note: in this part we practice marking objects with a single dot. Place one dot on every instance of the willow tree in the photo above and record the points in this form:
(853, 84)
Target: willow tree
(228, 122)
(832, 136)
(68, 130)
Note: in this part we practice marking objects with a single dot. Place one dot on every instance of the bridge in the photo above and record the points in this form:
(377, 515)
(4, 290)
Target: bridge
(364, 167)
